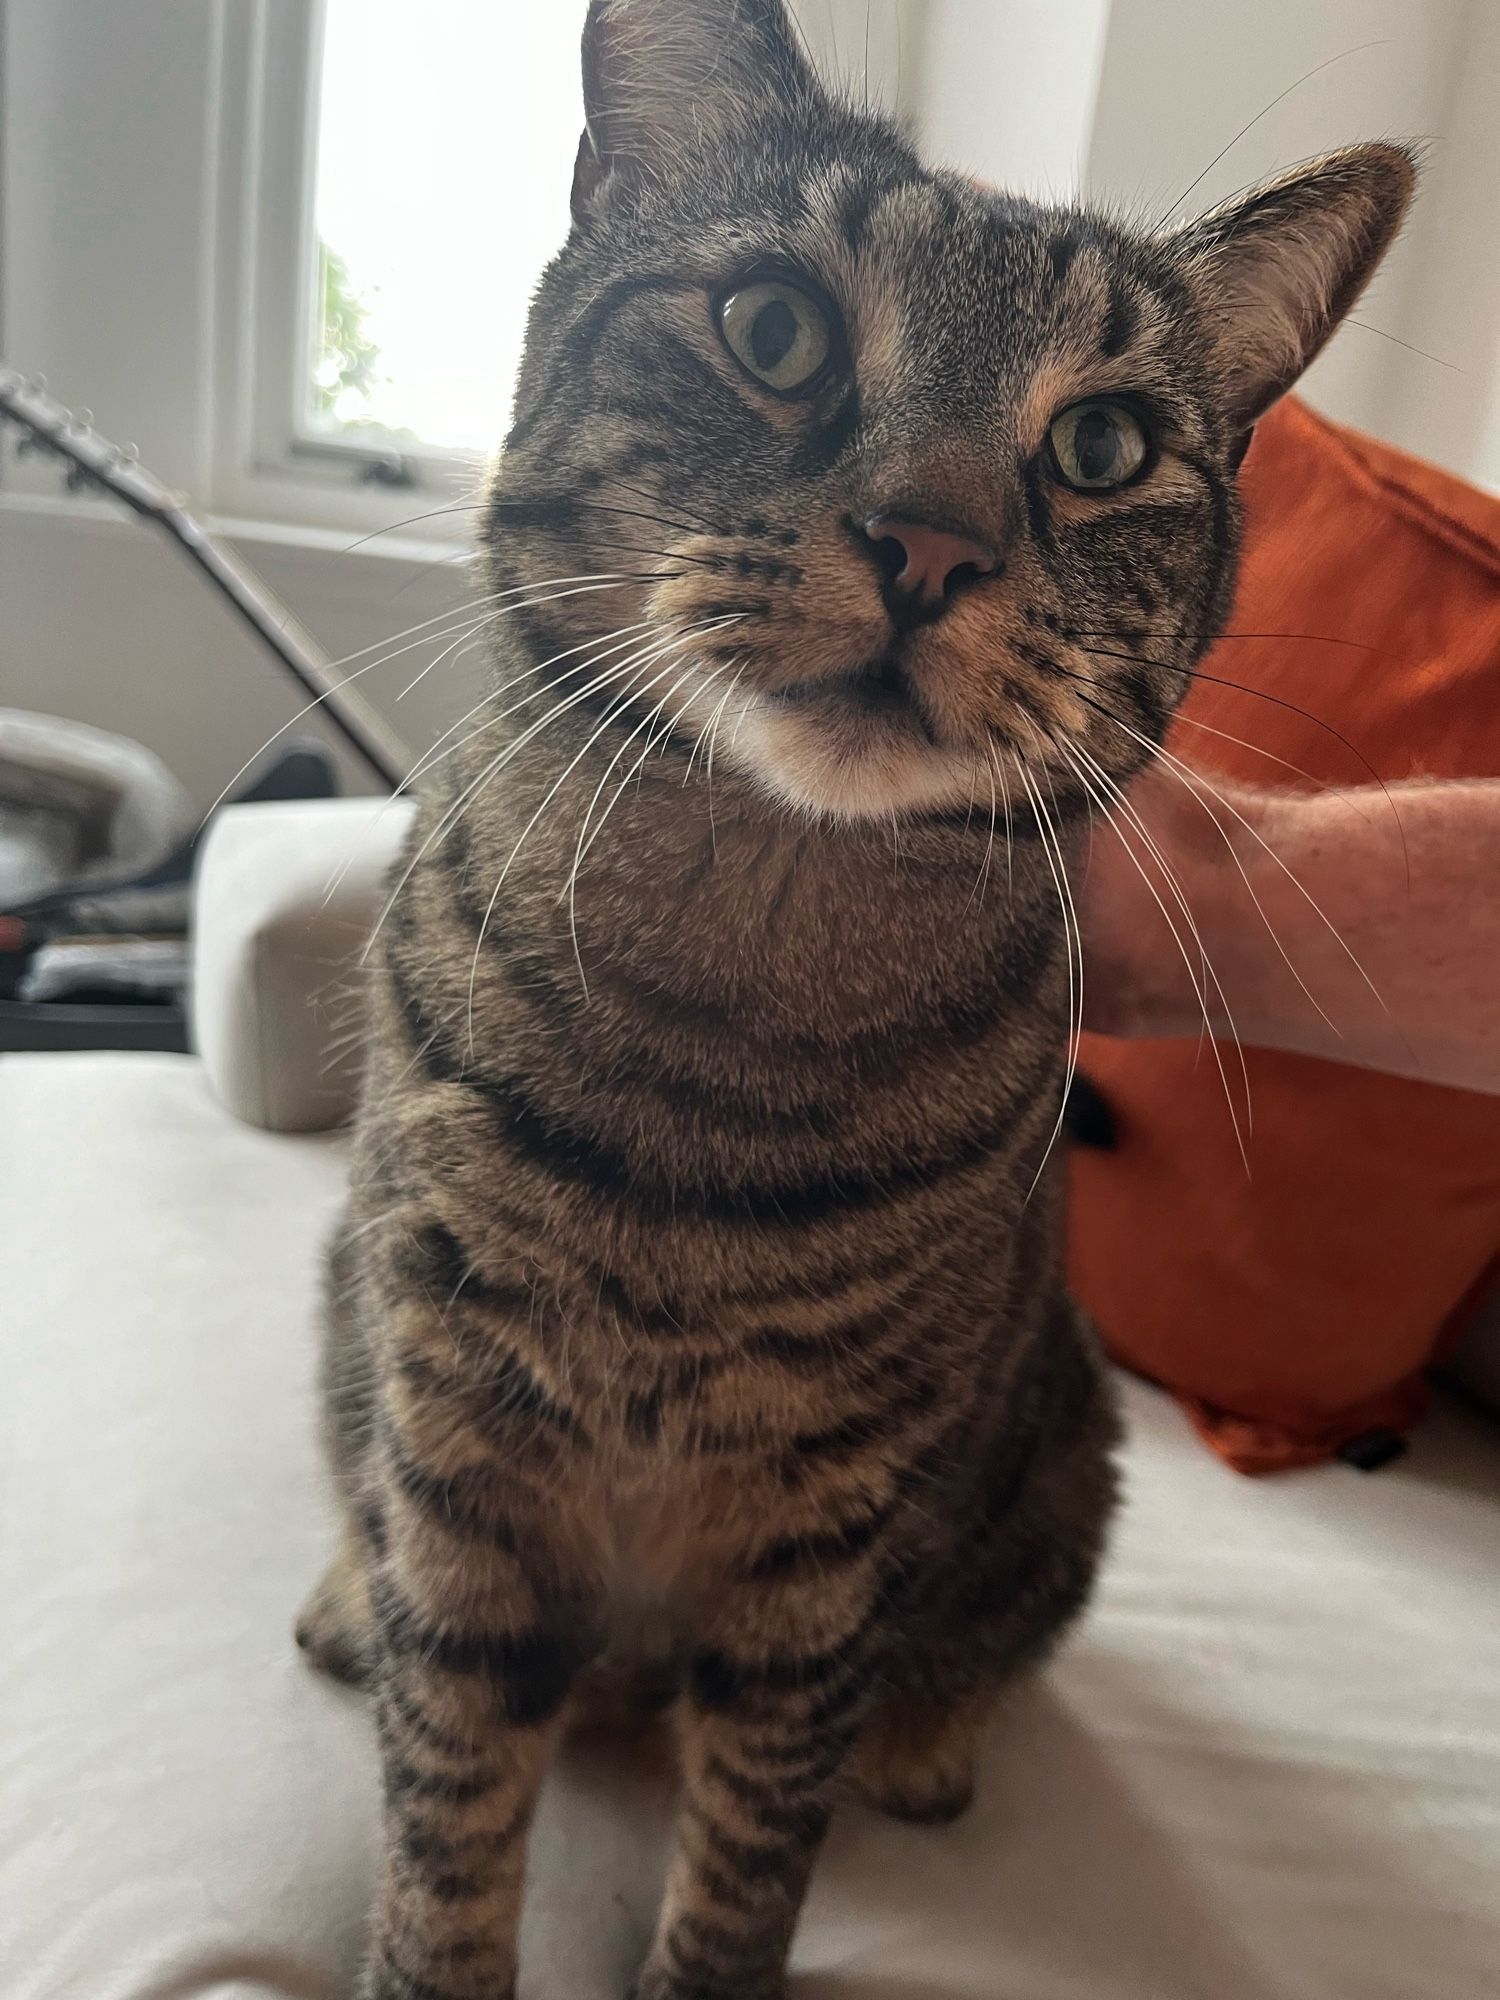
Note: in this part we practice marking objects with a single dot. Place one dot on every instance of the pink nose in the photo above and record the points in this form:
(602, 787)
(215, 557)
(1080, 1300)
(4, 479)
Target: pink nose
(932, 557)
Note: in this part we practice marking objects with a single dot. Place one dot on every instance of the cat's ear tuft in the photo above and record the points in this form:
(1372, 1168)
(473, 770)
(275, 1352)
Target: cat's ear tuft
(1276, 270)
(657, 73)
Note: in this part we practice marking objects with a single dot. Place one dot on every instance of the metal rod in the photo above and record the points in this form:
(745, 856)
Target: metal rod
(92, 460)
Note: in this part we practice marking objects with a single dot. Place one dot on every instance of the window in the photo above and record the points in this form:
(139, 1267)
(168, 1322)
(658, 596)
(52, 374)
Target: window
(437, 199)
(398, 193)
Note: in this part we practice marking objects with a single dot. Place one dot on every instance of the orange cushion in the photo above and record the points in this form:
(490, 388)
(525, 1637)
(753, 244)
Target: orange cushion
(1296, 1308)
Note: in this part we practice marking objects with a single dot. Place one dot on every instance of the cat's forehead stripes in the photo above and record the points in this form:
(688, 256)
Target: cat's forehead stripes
(977, 309)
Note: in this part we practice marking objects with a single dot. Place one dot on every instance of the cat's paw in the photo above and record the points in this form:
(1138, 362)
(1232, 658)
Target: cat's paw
(918, 1768)
(657, 1983)
(333, 1627)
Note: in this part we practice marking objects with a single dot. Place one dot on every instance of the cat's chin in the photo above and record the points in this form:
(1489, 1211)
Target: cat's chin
(851, 766)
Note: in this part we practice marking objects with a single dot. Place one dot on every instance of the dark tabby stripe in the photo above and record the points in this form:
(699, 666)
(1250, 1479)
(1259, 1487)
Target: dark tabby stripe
(544, 1141)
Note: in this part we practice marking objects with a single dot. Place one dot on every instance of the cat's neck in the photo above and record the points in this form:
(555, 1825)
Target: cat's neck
(715, 888)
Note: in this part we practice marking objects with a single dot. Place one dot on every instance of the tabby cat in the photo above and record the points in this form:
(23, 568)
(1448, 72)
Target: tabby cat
(702, 1269)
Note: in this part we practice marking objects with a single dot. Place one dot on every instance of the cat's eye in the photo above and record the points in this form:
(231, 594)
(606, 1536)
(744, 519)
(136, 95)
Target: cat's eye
(1098, 445)
(778, 332)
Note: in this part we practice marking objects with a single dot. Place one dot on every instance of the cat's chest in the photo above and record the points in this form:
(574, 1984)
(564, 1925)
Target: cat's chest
(670, 1529)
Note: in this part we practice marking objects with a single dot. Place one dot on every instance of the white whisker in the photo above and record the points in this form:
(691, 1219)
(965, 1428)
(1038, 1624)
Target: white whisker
(455, 811)
(1193, 780)
(552, 791)
(464, 639)
(570, 888)
(1047, 833)
(317, 701)
(983, 878)
(1199, 985)
(603, 640)
(430, 758)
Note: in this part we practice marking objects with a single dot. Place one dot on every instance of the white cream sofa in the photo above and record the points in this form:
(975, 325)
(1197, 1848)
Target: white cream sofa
(1268, 1767)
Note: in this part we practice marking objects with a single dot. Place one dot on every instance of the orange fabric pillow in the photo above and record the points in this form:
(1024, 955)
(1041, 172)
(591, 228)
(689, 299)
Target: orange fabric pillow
(1294, 1310)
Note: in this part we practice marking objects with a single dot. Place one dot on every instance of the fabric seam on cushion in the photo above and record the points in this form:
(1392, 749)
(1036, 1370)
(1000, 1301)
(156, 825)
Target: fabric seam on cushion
(1424, 513)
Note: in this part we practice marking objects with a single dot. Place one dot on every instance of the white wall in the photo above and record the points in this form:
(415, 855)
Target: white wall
(1005, 89)
(1453, 303)
(104, 621)
(861, 45)
(1181, 77)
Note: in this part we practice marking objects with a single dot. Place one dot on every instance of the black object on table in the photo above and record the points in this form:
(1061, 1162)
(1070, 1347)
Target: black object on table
(301, 771)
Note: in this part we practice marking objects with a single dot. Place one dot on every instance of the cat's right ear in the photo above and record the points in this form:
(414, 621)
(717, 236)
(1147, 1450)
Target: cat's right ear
(655, 71)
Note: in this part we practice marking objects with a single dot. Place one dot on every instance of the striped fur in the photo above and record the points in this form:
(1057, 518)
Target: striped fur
(701, 1275)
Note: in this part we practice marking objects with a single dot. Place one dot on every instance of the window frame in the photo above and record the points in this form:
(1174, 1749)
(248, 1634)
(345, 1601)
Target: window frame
(267, 465)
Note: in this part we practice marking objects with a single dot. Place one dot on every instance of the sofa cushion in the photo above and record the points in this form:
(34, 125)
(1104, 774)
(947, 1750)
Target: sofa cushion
(1294, 1300)
(1268, 1768)
(284, 900)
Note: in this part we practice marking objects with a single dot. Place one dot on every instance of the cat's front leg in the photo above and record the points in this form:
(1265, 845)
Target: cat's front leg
(477, 1638)
(774, 1704)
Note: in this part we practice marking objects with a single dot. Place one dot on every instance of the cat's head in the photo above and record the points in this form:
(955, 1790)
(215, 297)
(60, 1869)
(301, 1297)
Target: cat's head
(920, 487)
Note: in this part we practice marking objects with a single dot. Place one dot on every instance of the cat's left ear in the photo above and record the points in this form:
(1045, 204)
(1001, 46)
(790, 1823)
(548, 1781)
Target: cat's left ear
(657, 73)
(1275, 271)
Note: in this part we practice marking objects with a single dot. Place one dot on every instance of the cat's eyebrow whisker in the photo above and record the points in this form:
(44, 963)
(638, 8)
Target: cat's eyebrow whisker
(1317, 69)
(1395, 339)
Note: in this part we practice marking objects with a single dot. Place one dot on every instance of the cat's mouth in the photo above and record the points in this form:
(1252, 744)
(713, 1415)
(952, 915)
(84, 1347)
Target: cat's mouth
(858, 743)
(882, 688)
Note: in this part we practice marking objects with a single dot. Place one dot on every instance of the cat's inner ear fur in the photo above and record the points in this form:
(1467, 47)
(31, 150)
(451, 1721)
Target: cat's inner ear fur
(1276, 270)
(662, 75)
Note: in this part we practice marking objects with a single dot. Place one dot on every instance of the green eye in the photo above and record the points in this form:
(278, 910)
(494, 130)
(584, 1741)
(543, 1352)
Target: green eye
(778, 333)
(1098, 445)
